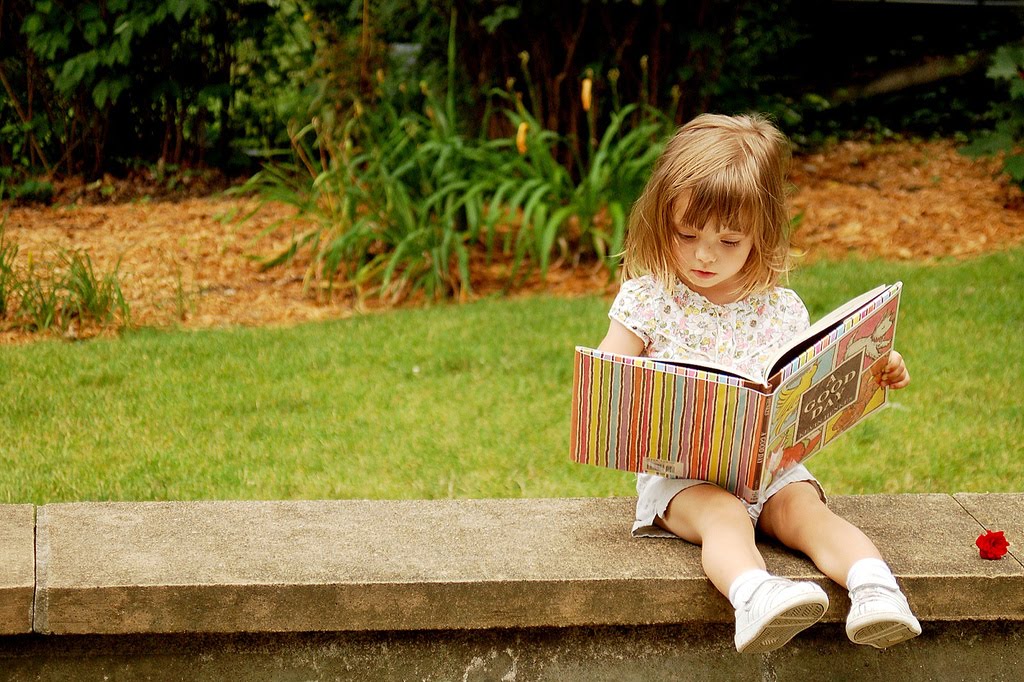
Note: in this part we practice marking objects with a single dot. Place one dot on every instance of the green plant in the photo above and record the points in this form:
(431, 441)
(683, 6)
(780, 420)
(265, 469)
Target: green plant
(184, 300)
(8, 277)
(32, 191)
(616, 173)
(184, 81)
(1007, 137)
(394, 194)
(586, 217)
(40, 302)
(400, 201)
(398, 196)
(89, 296)
(53, 295)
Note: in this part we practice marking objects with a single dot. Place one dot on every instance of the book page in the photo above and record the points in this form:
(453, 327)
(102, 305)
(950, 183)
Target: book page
(794, 348)
(700, 365)
(715, 368)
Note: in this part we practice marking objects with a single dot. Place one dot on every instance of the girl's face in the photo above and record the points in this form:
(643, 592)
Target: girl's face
(710, 257)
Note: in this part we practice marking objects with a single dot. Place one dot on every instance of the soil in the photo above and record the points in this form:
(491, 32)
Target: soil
(191, 263)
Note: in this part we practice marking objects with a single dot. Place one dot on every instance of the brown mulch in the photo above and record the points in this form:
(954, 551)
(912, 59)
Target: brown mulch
(904, 201)
(186, 263)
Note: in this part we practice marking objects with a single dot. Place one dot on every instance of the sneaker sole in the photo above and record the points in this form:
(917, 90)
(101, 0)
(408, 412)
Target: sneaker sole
(784, 627)
(883, 634)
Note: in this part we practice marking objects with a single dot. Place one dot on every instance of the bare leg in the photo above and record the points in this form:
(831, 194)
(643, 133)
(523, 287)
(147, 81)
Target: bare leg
(797, 518)
(708, 516)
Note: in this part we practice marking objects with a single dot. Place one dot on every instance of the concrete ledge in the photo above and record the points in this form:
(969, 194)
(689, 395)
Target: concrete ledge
(998, 511)
(989, 650)
(236, 567)
(17, 567)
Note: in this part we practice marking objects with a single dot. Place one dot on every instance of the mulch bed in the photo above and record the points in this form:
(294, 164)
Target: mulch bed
(185, 263)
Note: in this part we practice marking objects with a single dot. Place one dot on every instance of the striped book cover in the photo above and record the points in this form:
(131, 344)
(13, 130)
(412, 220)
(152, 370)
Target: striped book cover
(662, 417)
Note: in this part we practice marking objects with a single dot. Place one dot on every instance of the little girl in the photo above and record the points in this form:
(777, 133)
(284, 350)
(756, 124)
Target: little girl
(707, 244)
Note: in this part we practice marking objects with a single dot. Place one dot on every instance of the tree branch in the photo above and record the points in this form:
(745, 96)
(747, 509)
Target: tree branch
(25, 120)
(911, 76)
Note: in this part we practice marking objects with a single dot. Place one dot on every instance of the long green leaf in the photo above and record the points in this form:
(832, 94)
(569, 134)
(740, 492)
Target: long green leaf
(549, 234)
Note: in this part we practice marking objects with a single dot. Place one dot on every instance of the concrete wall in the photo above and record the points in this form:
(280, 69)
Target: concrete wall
(472, 589)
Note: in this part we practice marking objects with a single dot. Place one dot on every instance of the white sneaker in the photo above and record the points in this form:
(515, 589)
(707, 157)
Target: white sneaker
(776, 611)
(880, 616)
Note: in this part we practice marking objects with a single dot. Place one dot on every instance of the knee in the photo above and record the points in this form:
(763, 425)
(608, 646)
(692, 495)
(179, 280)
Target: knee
(704, 509)
(730, 510)
(720, 508)
(792, 507)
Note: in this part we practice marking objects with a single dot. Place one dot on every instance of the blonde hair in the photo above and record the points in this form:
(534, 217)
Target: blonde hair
(732, 169)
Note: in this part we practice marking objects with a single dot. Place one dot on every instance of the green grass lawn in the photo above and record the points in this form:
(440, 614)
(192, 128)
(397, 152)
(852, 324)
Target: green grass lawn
(473, 401)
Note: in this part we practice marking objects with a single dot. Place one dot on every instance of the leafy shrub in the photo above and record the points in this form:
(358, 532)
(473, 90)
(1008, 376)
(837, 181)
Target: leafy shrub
(587, 217)
(183, 81)
(398, 195)
(394, 195)
(1007, 136)
(32, 191)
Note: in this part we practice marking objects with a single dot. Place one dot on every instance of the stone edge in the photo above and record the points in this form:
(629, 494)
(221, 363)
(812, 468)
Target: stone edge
(17, 605)
(40, 610)
(130, 609)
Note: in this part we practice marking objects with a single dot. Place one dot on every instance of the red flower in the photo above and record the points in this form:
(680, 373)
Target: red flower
(992, 544)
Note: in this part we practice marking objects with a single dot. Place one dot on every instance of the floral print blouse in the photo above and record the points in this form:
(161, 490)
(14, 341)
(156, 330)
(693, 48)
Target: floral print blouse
(679, 323)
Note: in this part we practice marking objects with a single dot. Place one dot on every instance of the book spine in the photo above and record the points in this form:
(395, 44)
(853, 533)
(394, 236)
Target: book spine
(574, 421)
(762, 444)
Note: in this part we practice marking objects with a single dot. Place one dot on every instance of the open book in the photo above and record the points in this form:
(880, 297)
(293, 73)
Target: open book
(697, 420)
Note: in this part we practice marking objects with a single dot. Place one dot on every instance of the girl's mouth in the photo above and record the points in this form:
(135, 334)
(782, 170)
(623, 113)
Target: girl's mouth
(704, 274)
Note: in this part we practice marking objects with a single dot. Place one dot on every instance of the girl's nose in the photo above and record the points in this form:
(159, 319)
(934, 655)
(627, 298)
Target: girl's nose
(704, 254)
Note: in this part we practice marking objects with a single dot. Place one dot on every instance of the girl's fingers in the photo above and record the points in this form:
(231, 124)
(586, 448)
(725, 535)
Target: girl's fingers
(895, 362)
(900, 383)
(895, 374)
(896, 379)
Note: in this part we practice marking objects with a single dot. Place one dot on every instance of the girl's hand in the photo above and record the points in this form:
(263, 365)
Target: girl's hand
(895, 374)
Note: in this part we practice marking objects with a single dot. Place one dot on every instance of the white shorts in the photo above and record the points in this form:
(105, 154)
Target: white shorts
(655, 492)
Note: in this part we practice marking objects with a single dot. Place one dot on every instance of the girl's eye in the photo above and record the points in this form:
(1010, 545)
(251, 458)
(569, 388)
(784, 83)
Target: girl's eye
(731, 243)
(683, 235)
